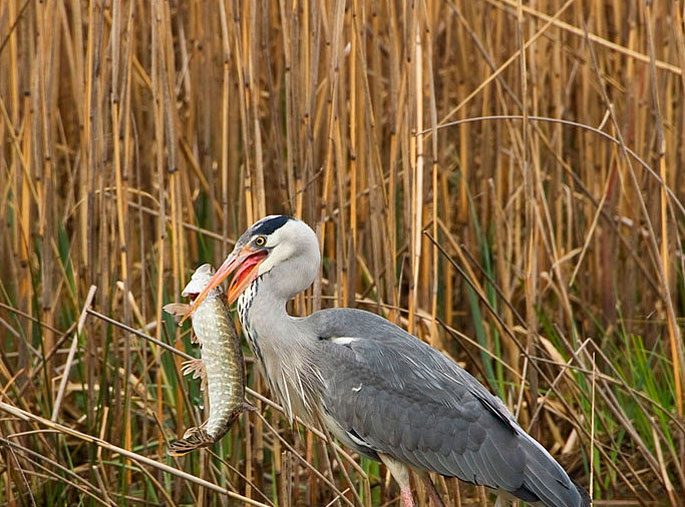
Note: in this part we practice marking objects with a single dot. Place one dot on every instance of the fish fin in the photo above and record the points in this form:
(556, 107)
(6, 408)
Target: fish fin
(197, 368)
(179, 311)
(187, 433)
(193, 438)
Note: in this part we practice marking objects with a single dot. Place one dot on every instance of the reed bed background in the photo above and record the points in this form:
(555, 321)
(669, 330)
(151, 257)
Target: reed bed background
(502, 178)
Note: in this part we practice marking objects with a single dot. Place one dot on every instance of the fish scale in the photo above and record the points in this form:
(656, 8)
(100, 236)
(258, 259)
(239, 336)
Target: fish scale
(220, 367)
(211, 324)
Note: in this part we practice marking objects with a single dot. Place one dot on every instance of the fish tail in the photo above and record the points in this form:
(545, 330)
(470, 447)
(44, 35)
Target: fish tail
(193, 438)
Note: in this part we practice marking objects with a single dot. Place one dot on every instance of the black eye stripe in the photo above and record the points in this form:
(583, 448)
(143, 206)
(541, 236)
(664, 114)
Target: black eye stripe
(272, 224)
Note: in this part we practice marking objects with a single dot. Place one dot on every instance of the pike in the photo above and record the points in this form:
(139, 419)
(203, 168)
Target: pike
(220, 368)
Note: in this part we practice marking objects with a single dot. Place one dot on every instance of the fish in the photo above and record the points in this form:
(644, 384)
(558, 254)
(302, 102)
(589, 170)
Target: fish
(220, 368)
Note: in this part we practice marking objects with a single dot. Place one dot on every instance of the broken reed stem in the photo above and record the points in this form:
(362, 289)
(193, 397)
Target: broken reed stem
(72, 352)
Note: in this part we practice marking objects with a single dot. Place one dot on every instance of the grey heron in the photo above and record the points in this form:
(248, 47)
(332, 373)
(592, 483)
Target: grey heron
(381, 391)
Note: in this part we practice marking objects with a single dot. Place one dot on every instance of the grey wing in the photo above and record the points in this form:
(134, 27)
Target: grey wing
(395, 395)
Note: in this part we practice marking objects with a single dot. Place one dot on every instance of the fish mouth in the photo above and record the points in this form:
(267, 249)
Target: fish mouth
(244, 261)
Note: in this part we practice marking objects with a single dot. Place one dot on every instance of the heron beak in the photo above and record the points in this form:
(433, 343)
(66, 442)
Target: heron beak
(245, 263)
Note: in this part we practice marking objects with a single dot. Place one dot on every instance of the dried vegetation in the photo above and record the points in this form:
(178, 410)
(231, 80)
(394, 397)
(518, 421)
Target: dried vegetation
(504, 179)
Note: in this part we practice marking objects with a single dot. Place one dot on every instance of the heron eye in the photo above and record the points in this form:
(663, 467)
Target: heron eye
(260, 241)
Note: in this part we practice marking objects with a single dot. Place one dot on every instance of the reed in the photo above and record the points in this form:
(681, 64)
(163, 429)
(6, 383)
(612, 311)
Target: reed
(503, 179)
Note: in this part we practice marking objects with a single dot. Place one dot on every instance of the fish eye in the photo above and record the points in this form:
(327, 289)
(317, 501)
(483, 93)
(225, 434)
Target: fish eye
(260, 241)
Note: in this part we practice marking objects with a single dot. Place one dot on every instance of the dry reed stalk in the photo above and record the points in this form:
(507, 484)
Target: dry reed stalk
(674, 332)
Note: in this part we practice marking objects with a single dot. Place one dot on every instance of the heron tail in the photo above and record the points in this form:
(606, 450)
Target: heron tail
(193, 438)
(548, 482)
(585, 501)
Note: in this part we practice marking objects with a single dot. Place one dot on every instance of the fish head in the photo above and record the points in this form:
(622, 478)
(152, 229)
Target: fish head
(199, 281)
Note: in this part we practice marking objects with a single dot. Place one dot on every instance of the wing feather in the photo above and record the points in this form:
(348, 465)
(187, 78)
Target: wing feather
(421, 408)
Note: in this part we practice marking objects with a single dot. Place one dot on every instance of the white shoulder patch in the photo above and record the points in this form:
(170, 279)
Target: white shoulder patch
(344, 340)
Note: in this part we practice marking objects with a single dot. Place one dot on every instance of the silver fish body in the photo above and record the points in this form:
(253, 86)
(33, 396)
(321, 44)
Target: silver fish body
(220, 367)
(223, 360)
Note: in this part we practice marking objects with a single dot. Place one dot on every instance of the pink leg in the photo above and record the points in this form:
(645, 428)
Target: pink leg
(405, 497)
(400, 472)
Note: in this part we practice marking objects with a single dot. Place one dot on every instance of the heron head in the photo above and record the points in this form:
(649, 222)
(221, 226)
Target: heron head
(275, 241)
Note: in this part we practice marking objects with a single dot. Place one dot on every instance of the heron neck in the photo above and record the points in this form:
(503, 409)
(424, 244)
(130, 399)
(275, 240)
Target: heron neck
(281, 344)
(264, 301)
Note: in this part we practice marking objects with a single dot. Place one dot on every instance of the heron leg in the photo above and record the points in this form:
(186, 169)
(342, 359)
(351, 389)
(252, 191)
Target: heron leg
(400, 473)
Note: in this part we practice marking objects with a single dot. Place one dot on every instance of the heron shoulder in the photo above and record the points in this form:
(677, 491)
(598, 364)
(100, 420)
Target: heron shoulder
(351, 322)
